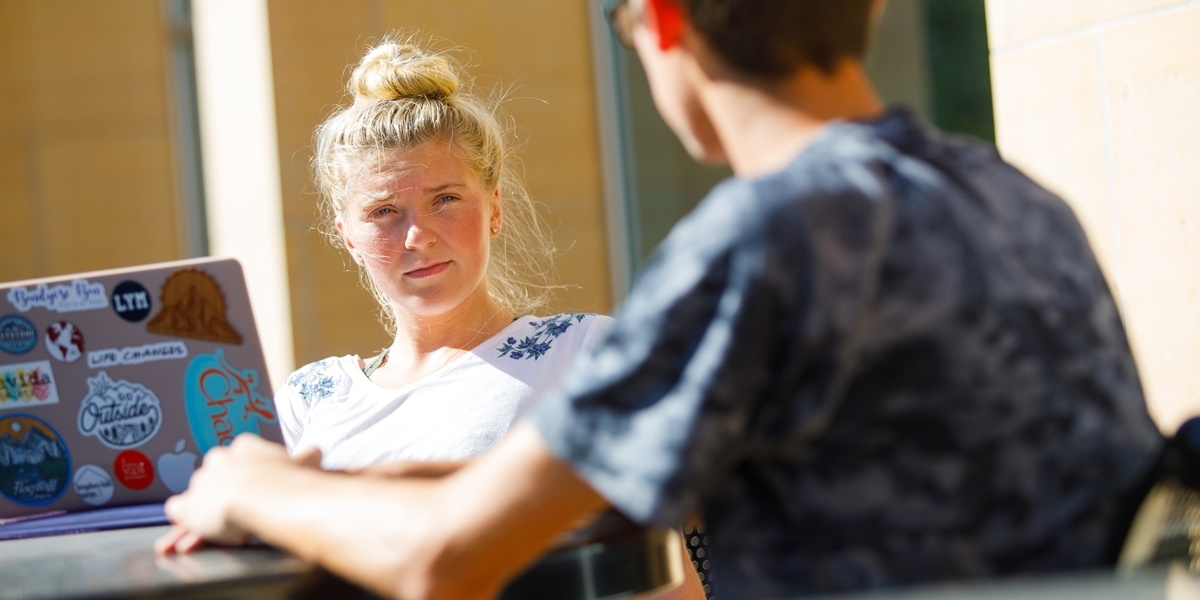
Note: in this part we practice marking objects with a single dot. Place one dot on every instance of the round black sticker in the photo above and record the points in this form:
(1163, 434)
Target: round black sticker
(131, 301)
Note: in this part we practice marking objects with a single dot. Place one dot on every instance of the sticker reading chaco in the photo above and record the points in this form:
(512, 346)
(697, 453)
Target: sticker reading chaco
(17, 334)
(34, 463)
(64, 341)
(93, 484)
(222, 401)
(131, 301)
(193, 306)
(136, 355)
(80, 294)
(133, 470)
(27, 385)
(175, 469)
(120, 414)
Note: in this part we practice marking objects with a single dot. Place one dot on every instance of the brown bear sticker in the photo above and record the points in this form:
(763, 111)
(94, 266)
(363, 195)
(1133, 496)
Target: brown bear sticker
(193, 306)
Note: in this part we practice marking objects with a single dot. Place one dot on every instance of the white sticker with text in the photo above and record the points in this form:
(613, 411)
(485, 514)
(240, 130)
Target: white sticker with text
(136, 355)
(80, 294)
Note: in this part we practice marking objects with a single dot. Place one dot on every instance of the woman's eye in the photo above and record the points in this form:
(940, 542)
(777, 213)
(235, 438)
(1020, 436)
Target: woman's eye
(383, 210)
(447, 198)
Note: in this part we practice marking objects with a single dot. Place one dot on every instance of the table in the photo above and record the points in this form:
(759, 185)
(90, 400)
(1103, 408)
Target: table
(122, 564)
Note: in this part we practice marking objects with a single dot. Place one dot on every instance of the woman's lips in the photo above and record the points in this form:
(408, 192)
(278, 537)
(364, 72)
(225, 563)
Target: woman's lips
(429, 271)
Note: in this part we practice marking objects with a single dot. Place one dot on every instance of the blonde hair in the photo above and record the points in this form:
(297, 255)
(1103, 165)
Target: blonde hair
(405, 95)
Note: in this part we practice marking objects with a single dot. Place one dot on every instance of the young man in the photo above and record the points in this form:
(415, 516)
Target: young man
(877, 356)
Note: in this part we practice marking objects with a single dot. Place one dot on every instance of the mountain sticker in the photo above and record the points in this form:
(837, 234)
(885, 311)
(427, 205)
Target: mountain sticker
(193, 306)
(35, 466)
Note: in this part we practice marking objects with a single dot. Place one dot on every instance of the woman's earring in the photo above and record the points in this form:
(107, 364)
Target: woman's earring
(495, 230)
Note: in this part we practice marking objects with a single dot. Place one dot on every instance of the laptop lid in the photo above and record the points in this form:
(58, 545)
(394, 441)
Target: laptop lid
(115, 383)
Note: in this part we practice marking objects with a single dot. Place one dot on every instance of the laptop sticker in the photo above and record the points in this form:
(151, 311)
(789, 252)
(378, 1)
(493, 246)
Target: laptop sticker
(131, 301)
(120, 414)
(17, 334)
(34, 463)
(193, 306)
(93, 484)
(222, 401)
(27, 385)
(175, 468)
(64, 341)
(133, 470)
(136, 355)
(80, 294)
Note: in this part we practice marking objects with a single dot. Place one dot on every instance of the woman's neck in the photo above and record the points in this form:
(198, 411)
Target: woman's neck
(422, 341)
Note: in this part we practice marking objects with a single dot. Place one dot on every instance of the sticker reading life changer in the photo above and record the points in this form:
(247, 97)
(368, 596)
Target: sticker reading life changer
(120, 414)
(80, 294)
(136, 355)
(222, 401)
(27, 385)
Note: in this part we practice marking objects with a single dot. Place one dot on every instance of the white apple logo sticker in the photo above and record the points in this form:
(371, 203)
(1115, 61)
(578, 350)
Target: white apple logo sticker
(176, 469)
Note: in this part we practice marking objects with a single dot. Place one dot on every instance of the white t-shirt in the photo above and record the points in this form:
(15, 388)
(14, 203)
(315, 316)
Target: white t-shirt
(454, 413)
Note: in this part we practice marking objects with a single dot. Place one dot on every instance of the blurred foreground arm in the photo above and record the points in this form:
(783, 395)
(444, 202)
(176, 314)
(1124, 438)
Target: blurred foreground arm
(459, 536)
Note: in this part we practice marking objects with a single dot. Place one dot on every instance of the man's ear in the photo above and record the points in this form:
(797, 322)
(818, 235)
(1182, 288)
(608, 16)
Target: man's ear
(666, 18)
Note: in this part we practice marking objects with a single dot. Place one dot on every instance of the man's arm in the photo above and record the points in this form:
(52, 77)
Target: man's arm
(460, 536)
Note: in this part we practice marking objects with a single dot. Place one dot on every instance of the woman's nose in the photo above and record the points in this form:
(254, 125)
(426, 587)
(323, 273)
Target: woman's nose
(419, 235)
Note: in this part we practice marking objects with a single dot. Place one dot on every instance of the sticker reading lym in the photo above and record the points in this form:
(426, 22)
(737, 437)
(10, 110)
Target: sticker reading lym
(27, 385)
(131, 301)
(80, 294)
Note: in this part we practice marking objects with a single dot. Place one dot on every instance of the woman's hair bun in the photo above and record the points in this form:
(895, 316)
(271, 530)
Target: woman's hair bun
(395, 70)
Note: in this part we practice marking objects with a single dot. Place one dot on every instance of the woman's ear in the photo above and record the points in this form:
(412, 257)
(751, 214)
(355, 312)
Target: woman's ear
(665, 18)
(497, 219)
(341, 227)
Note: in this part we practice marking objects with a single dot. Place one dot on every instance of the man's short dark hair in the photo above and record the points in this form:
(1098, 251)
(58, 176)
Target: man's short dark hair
(773, 38)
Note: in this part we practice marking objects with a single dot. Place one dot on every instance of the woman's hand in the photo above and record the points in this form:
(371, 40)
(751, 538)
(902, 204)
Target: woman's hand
(206, 511)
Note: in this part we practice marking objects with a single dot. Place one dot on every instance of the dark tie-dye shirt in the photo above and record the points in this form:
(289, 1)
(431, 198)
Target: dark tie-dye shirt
(895, 361)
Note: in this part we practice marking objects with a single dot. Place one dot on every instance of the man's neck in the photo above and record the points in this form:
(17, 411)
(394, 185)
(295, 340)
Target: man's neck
(762, 128)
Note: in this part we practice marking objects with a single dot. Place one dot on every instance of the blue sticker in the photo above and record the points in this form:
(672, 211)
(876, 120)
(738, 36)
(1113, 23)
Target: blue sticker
(35, 466)
(17, 334)
(222, 401)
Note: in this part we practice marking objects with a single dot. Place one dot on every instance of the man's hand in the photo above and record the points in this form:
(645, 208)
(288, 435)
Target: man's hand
(205, 511)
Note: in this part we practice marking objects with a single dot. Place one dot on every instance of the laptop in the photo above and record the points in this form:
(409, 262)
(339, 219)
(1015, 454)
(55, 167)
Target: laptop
(115, 383)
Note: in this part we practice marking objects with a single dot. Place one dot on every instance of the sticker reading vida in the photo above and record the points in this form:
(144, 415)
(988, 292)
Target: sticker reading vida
(193, 306)
(27, 385)
(120, 414)
(34, 464)
(80, 294)
(222, 401)
(17, 334)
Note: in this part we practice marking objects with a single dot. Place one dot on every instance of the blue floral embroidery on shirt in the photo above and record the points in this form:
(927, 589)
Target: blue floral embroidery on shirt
(314, 382)
(544, 334)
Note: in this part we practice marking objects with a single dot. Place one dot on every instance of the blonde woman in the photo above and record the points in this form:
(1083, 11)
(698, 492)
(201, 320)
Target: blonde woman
(418, 188)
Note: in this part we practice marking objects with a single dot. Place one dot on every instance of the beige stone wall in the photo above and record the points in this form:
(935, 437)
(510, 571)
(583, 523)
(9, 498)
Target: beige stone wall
(1100, 101)
(87, 170)
(538, 49)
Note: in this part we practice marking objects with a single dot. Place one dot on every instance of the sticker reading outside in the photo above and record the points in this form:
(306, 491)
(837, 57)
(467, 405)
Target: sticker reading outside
(193, 306)
(120, 414)
(27, 385)
(34, 464)
(80, 294)
(222, 401)
(136, 355)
